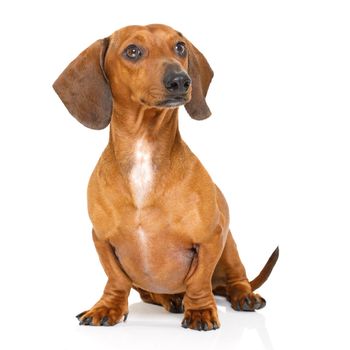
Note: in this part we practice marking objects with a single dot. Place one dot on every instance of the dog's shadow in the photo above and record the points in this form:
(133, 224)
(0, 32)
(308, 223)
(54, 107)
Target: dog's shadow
(234, 325)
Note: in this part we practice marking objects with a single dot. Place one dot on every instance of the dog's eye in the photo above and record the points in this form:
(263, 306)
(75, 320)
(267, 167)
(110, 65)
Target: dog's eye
(180, 49)
(133, 52)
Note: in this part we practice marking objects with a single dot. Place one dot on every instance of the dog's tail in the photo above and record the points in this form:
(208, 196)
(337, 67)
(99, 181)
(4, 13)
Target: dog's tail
(265, 272)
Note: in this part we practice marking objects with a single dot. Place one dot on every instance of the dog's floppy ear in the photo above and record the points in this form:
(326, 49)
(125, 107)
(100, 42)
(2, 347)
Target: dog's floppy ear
(84, 89)
(201, 75)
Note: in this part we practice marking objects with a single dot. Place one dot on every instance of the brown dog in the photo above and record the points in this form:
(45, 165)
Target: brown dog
(160, 224)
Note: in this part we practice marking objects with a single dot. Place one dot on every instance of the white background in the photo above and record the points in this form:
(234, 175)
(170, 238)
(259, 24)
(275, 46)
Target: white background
(278, 146)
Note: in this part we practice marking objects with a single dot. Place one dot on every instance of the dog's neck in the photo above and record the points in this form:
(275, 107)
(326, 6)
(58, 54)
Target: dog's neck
(144, 141)
(156, 128)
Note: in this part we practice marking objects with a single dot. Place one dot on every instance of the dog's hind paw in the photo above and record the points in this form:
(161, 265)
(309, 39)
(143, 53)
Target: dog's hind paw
(175, 305)
(247, 302)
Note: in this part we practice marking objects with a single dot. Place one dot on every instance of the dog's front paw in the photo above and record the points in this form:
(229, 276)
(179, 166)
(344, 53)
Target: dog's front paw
(102, 316)
(201, 320)
(247, 302)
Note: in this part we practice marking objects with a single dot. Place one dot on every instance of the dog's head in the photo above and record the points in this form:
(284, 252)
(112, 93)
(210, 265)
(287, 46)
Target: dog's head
(153, 65)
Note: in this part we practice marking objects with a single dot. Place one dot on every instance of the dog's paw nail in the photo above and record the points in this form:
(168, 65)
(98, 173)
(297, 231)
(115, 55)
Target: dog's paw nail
(185, 323)
(79, 315)
(247, 305)
(260, 304)
(86, 321)
(205, 326)
(215, 325)
(125, 317)
(199, 326)
(104, 321)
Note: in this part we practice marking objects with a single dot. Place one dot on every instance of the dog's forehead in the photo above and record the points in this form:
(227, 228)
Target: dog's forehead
(155, 33)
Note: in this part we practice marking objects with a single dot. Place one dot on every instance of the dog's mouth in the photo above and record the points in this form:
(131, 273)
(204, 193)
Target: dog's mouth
(173, 101)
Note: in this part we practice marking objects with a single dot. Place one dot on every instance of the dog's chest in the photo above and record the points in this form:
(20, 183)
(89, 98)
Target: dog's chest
(141, 175)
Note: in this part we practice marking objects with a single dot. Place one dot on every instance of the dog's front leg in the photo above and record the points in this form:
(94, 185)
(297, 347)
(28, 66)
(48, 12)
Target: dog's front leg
(113, 305)
(199, 302)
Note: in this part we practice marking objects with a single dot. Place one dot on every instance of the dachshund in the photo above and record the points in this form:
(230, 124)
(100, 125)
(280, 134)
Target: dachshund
(160, 224)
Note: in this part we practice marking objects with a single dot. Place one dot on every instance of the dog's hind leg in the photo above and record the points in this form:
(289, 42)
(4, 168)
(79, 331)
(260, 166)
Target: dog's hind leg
(170, 302)
(230, 280)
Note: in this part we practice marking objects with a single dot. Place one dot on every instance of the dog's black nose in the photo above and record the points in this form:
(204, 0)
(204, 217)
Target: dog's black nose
(177, 82)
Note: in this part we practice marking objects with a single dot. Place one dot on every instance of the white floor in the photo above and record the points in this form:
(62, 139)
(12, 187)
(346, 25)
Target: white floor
(150, 327)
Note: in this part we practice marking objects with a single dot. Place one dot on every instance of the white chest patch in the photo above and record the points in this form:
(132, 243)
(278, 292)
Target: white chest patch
(141, 175)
